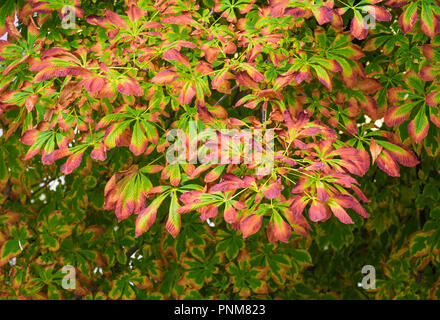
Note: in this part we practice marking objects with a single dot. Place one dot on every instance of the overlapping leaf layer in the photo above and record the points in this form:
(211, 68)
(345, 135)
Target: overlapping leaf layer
(349, 89)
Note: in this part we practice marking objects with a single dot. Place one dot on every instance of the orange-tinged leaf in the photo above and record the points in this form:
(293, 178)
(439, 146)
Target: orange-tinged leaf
(387, 164)
(379, 13)
(408, 18)
(180, 19)
(419, 126)
(250, 225)
(322, 15)
(428, 73)
(145, 220)
(134, 12)
(115, 19)
(139, 141)
(72, 163)
(130, 87)
(375, 150)
(230, 213)
(187, 93)
(174, 55)
(433, 98)
(317, 211)
(358, 28)
(99, 152)
(339, 212)
(272, 191)
(278, 229)
(397, 114)
(31, 101)
(93, 84)
(165, 77)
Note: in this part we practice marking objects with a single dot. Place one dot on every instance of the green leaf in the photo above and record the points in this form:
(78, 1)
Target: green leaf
(301, 256)
(6, 9)
(10, 249)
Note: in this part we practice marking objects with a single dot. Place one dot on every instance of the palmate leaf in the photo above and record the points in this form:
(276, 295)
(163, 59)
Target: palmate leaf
(121, 289)
(125, 192)
(425, 244)
(276, 262)
(200, 269)
(133, 74)
(228, 7)
(229, 243)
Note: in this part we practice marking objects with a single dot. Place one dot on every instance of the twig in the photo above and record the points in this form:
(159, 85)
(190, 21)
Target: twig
(225, 95)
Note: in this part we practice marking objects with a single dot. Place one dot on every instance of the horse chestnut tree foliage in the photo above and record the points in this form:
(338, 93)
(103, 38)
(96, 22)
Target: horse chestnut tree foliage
(91, 90)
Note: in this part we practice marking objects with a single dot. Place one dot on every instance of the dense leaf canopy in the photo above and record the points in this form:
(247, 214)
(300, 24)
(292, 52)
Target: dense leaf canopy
(95, 96)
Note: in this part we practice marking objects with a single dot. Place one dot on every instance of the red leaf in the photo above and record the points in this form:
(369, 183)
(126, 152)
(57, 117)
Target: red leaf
(418, 136)
(187, 94)
(340, 213)
(230, 214)
(321, 193)
(55, 155)
(370, 107)
(134, 12)
(379, 13)
(375, 149)
(130, 87)
(250, 225)
(115, 19)
(173, 54)
(428, 73)
(203, 68)
(297, 206)
(210, 53)
(31, 101)
(323, 15)
(317, 211)
(72, 163)
(60, 72)
(278, 229)
(12, 30)
(387, 164)
(29, 137)
(154, 25)
(165, 77)
(285, 78)
(93, 84)
(273, 190)
(358, 28)
(433, 98)
(393, 116)
(180, 19)
(245, 80)
(403, 155)
(99, 152)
